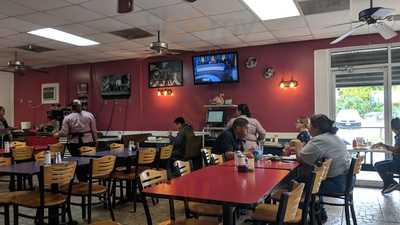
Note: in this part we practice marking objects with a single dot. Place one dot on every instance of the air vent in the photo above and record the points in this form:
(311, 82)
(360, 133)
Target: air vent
(35, 48)
(309, 7)
(133, 33)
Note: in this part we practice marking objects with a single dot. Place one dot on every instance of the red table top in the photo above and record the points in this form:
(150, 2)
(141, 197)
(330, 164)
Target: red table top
(221, 185)
(268, 164)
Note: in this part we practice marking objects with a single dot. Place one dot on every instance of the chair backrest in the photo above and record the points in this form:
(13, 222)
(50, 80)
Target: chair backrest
(40, 155)
(355, 168)
(192, 147)
(217, 159)
(319, 172)
(327, 166)
(166, 152)
(183, 167)
(5, 161)
(22, 153)
(358, 165)
(57, 148)
(18, 144)
(116, 147)
(103, 166)
(61, 173)
(290, 202)
(87, 150)
(206, 156)
(146, 156)
(152, 177)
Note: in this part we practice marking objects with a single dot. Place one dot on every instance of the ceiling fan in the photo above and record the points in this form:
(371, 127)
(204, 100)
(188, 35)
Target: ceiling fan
(18, 66)
(161, 48)
(375, 18)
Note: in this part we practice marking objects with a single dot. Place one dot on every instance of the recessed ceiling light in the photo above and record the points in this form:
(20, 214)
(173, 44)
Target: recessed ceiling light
(62, 36)
(273, 9)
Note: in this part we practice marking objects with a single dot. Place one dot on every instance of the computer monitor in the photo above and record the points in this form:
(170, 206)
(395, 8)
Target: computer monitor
(215, 117)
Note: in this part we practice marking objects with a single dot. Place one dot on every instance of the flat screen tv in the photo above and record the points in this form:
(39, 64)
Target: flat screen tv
(216, 68)
(116, 86)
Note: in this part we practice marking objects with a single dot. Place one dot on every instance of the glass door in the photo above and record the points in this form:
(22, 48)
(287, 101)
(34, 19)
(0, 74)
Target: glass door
(362, 111)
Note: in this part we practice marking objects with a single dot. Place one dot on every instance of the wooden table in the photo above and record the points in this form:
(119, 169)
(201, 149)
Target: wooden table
(269, 164)
(222, 185)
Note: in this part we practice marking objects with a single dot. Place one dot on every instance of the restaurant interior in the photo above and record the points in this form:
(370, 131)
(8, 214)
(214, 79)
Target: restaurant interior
(199, 112)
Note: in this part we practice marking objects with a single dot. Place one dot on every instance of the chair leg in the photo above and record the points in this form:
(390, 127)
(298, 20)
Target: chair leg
(114, 193)
(63, 212)
(6, 215)
(70, 221)
(110, 206)
(353, 212)
(89, 209)
(347, 211)
(16, 214)
(83, 206)
(121, 190)
(134, 195)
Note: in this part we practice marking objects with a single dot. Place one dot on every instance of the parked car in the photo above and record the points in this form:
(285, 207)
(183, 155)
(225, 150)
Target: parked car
(348, 118)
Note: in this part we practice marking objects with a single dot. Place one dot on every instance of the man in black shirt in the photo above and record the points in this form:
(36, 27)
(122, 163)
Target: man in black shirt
(232, 139)
(185, 131)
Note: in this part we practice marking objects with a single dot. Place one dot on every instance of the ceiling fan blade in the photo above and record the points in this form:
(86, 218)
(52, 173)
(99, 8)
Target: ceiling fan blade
(342, 24)
(383, 13)
(8, 71)
(38, 70)
(347, 34)
(384, 30)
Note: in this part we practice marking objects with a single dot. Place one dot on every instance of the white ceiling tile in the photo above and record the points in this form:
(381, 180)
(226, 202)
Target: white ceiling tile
(76, 1)
(105, 7)
(21, 39)
(6, 32)
(286, 23)
(75, 13)
(164, 28)
(105, 38)
(296, 38)
(251, 37)
(212, 7)
(215, 34)
(226, 41)
(196, 44)
(44, 19)
(77, 29)
(107, 25)
(141, 18)
(197, 24)
(234, 18)
(146, 41)
(175, 38)
(266, 42)
(247, 28)
(18, 25)
(149, 4)
(328, 19)
(55, 44)
(322, 36)
(294, 32)
(10, 8)
(43, 4)
(330, 30)
(176, 12)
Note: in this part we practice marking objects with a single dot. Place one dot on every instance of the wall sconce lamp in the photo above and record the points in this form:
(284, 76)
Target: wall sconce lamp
(165, 92)
(288, 83)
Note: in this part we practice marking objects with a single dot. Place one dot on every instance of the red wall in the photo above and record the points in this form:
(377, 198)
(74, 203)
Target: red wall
(277, 109)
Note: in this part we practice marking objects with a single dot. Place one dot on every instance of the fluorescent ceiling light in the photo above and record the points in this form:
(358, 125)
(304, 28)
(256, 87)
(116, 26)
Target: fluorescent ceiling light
(273, 9)
(62, 36)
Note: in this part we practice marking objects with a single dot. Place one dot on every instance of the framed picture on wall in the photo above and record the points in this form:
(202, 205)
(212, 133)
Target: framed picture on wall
(82, 89)
(165, 74)
(50, 93)
(116, 86)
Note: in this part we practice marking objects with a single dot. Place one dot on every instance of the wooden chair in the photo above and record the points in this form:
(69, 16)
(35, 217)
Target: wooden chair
(116, 147)
(22, 153)
(57, 148)
(40, 156)
(196, 208)
(51, 178)
(145, 158)
(18, 144)
(217, 159)
(193, 151)
(206, 155)
(347, 196)
(149, 178)
(165, 156)
(100, 168)
(286, 212)
(87, 150)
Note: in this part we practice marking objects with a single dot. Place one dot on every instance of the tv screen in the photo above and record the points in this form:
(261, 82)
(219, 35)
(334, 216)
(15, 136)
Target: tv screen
(116, 86)
(216, 68)
(215, 117)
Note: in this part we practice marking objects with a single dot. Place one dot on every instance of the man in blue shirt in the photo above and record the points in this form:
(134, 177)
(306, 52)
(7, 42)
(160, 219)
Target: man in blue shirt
(232, 139)
(386, 168)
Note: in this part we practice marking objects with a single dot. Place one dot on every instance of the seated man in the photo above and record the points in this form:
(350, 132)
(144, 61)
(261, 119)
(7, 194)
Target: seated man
(387, 167)
(232, 139)
(179, 142)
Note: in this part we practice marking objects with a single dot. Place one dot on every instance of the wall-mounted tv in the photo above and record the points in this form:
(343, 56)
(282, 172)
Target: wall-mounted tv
(216, 68)
(116, 86)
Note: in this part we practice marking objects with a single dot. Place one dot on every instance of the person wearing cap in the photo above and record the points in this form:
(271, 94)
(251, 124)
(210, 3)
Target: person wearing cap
(80, 129)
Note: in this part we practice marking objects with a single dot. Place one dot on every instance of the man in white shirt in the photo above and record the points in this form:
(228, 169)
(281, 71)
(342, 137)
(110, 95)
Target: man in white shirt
(80, 129)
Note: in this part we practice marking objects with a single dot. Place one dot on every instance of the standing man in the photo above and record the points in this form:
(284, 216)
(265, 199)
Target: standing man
(232, 139)
(80, 129)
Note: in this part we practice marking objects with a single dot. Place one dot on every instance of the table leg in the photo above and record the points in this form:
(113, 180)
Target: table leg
(227, 217)
(53, 216)
(12, 183)
(19, 183)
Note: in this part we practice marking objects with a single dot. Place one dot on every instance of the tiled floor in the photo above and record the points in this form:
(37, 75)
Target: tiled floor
(371, 207)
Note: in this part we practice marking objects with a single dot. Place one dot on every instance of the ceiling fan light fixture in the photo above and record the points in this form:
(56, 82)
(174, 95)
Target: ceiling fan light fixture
(271, 9)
